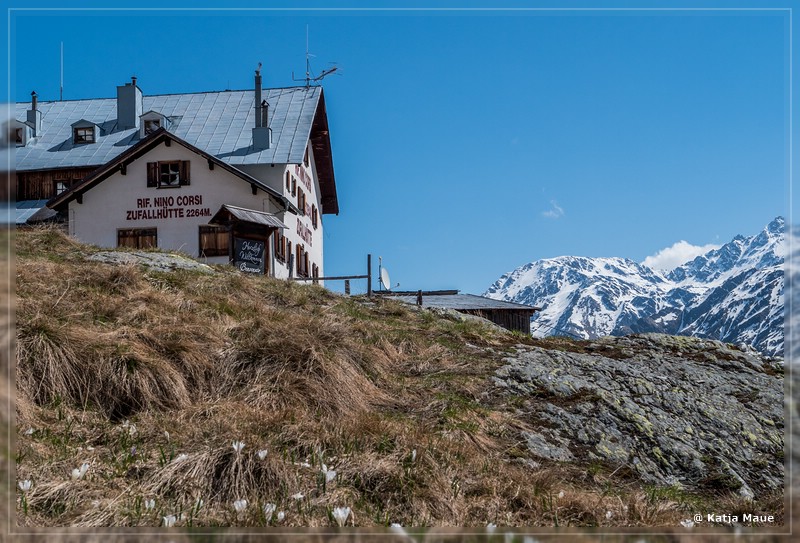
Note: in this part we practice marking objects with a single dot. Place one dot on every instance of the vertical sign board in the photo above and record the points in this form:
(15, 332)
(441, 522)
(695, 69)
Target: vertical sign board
(248, 255)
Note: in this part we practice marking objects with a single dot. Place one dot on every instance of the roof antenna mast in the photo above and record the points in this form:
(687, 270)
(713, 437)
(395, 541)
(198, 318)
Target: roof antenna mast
(61, 86)
(309, 79)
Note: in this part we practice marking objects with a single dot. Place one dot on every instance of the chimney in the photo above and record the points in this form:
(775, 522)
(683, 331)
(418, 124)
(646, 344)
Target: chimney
(262, 135)
(258, 95)
(34, 115)
(129, 105)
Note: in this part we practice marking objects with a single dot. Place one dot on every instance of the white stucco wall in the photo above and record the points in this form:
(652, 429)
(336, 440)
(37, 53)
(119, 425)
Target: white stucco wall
(301, 229)
(119, 202)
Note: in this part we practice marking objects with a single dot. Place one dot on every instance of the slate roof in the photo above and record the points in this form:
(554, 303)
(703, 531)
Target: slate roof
(220, 123)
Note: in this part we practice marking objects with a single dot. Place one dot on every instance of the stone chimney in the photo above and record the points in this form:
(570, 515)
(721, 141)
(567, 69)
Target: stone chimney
(129, 105)
(34, 115)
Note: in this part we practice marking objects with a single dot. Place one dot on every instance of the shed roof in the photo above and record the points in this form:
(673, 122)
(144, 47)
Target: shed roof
(261, 218)
(32, 211)
(219, 123)
(466, 302)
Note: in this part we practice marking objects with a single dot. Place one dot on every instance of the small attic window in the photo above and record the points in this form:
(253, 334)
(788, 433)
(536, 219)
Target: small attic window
(152, 121)
(83, 134)
(19, 136)
(151, 125)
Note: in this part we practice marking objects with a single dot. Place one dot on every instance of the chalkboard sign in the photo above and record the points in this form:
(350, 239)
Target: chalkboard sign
(248, 255)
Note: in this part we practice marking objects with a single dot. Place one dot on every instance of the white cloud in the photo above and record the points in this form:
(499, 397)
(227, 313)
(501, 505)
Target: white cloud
(554, 212)
(680, 253)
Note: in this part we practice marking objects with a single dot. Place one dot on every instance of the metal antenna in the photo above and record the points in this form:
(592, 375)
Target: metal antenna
(309, 79)
(61, 86)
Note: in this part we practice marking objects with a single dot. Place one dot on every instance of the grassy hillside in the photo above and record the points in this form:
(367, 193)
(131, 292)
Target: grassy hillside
(150, 377)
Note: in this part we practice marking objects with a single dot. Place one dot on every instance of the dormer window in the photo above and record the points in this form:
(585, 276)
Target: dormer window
(152, 121)
(151, 125)
(18, 132)
(84, 131)
(84, 134)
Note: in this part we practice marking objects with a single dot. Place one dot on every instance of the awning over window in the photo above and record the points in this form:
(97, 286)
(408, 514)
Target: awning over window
(228, 214)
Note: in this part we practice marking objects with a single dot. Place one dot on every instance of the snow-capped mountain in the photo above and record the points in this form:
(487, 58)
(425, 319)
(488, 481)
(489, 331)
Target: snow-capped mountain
(734, 294)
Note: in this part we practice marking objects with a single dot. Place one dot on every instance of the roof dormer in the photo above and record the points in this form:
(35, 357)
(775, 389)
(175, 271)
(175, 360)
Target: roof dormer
(84, 131)
(18, 132)
(151, 121)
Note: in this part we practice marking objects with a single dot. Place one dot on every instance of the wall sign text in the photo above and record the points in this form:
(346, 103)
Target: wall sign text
(168, 207)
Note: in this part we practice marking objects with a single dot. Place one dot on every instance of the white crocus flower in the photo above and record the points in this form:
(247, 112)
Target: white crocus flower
(262, 454)
(561, 494)
(78, 473)
(269, 510)
(25, 485)
(169, 521)
(149, 504)
(181, 457)
(238, 446)
(281, 516)
(166, 435)
(414, 455)
(688, 523)
(330, 474)
(29, 432)
(240, 505)
(340, 514)
(609, 514)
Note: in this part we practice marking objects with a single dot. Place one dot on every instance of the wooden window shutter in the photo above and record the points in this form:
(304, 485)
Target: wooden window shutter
(152, 174)
(184, 178)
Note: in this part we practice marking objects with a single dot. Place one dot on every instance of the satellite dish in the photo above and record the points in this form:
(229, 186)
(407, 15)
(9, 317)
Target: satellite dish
(387, 284)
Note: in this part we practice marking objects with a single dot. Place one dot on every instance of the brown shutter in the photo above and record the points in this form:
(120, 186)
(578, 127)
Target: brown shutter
(184, 172)
(152, 174)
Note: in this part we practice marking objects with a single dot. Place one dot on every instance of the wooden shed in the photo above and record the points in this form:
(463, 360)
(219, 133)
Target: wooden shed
(509, 315)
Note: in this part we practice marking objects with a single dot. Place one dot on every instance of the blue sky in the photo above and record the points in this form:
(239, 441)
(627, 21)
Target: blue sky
(468, 143)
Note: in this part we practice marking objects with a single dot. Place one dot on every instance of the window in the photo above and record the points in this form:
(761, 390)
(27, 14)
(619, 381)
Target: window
(174, 173)
(302, 261)
(151, 125)
(314, 216)
(279, 243)
(213, 241)
(314, 271)
(137, 238)
(60, 187)
(83, 134)
(305, 157)
(294, 186)
(288, 181)
(19, 136)
(301, 201)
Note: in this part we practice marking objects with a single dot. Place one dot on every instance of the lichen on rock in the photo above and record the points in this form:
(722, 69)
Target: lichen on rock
(697, 413)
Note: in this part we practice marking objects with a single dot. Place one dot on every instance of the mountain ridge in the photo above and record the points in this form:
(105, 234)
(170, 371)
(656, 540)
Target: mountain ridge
(733, 294)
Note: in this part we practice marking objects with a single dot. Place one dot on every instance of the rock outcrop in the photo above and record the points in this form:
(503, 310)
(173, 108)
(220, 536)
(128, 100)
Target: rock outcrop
(673, 411)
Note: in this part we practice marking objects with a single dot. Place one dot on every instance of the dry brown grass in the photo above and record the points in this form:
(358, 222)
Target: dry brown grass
(396, 401)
